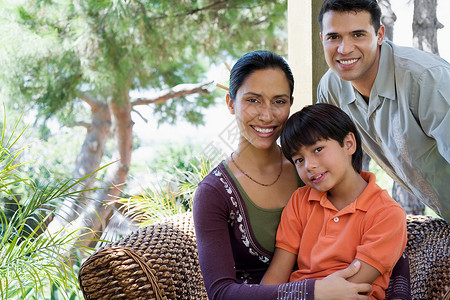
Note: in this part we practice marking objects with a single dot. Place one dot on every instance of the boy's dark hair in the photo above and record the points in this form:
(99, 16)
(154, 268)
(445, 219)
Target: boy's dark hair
(371, 6)
(257, 60)
(316, 122)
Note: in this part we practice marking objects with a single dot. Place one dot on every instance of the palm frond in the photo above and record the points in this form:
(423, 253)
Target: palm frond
(172, 196)
(33, 260)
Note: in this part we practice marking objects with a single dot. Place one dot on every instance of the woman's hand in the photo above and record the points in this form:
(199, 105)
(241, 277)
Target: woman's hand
(335, 286)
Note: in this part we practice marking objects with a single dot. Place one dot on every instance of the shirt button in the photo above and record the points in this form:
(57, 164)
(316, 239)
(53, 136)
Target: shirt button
(336, 219)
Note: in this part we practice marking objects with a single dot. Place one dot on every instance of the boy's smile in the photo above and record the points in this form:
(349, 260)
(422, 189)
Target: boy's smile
(326, 166)
(318, 178)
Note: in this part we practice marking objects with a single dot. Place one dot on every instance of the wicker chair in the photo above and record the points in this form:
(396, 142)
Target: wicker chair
(161, 262)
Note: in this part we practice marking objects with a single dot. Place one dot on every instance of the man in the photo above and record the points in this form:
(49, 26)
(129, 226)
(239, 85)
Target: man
(399, 98)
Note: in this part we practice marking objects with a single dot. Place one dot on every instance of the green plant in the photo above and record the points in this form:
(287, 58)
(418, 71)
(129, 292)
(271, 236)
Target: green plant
(174, 155)
(172, 196)
(33, 261)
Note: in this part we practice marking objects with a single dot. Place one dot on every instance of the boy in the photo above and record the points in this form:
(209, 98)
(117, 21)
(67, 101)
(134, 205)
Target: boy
(341, 215)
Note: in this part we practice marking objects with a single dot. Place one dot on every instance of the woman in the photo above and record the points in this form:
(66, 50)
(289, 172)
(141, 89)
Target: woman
(237, 207)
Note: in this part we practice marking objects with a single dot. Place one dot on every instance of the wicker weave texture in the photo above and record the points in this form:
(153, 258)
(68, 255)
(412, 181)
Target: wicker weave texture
(156, 262)
(161, 262)
(428, 250)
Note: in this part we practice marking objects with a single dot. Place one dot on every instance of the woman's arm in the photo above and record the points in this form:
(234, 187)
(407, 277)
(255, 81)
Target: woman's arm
(211, 216)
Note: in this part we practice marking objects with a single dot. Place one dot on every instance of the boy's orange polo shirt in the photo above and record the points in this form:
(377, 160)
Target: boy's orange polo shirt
(371, 229)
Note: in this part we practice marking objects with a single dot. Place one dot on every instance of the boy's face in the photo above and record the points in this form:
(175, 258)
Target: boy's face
(326, 164)
(351, 45)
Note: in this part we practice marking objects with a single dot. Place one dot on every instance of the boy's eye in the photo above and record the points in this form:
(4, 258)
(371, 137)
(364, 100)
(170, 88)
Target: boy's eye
(298, 161)
(318, 149)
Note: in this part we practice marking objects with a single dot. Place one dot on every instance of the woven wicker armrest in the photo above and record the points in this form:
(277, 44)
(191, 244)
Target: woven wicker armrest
(161, 262)
(428, 249)
(156, 262)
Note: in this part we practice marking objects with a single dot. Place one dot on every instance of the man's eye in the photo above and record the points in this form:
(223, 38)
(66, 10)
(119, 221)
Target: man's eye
(252, 100)
(280, 101)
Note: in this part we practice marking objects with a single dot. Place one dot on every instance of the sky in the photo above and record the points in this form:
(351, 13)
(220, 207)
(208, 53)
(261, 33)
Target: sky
(219, 123)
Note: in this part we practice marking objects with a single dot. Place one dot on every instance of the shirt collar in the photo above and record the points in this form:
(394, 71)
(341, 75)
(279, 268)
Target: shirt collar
(384, 84)
(363, 202)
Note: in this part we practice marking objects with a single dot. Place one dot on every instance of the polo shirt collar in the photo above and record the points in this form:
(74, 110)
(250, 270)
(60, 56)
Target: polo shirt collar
(363, 202)
(384, 84)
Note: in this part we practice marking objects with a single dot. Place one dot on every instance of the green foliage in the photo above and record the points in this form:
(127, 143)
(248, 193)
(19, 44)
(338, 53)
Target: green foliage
(32, 260)
(174, 195)
(383, 180)
(54, 157)
(174, 156)
(53, 51)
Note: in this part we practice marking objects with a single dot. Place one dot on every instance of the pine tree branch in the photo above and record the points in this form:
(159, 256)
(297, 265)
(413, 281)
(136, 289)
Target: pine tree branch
(83, 124)
(218, 5)
(89, 99)
(140, 115)
(178, 91)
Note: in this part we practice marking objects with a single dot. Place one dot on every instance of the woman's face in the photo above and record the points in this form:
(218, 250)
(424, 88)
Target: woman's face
(261, 107)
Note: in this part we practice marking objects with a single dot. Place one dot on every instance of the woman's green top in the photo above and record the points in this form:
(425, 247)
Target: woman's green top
(264, 222)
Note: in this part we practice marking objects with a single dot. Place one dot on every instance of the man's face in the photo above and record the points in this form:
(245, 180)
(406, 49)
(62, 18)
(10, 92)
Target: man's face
(351, 45)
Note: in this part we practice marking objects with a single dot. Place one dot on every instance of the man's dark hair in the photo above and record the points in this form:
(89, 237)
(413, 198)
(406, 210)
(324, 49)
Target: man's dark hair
(316, 122)
(258, 60)
(371, 6)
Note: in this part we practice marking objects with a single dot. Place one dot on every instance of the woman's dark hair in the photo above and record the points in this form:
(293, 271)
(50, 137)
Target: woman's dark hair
(316, 122)
(371, 6)
(257, 60)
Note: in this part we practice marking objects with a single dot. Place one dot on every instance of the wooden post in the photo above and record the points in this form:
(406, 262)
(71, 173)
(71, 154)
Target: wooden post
(305, 52)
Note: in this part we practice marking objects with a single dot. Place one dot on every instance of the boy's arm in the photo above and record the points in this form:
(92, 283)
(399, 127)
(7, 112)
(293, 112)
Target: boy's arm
(366, 274)
(280, 268)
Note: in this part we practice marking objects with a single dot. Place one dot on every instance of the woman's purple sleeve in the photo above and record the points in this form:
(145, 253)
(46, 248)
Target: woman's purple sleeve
(216, 257)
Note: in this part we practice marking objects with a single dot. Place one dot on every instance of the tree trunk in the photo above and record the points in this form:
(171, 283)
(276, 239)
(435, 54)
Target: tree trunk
(100, 210)
(388, 18)
(425, 26)
(87, 161)
(96, 214)
(411, 204)
(365, 161)
(91, 152)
